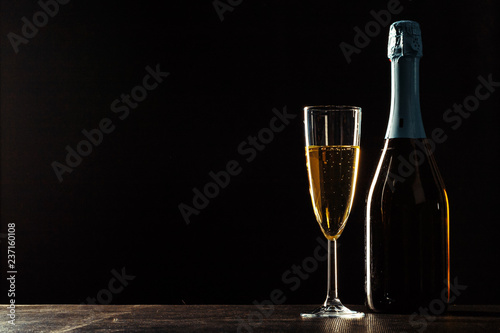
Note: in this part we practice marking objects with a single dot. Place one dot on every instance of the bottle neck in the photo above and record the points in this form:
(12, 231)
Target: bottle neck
(405, 119)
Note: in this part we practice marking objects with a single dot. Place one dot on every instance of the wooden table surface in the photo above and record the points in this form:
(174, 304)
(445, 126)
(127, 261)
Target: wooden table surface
(237, 318)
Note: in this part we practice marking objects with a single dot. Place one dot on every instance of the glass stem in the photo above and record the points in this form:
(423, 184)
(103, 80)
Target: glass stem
(332, 291)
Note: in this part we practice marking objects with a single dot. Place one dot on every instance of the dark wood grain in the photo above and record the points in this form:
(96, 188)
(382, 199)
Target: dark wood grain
(237, 318)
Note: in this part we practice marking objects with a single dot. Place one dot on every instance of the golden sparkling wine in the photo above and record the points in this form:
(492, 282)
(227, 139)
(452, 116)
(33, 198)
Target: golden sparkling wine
(332, 174)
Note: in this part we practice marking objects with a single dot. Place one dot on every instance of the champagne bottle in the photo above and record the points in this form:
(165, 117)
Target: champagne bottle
(407, 212)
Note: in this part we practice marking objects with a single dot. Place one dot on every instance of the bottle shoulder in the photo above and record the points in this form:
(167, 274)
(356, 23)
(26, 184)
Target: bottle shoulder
(406, 164)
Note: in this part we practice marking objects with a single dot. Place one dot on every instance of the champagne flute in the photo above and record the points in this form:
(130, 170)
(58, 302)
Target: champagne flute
(332, 151)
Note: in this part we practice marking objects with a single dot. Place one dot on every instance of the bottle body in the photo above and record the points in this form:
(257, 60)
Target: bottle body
(407, 224)
(407, 211)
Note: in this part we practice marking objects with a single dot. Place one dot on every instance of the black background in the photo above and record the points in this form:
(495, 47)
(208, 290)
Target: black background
(119, 207)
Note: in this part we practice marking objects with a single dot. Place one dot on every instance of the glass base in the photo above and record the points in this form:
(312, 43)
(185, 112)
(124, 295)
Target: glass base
(332, 309)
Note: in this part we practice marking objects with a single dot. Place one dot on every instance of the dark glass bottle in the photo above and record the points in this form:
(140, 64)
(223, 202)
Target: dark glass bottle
(407, 212)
